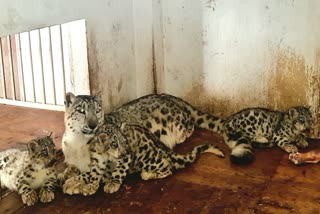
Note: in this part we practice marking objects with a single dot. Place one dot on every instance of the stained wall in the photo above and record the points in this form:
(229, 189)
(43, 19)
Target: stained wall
(220, 55)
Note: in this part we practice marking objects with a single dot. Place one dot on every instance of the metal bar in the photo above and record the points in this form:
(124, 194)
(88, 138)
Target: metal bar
(53, 80)
(32, 73)
(62, 60)
(42, 70)
(2, 73)
(32, 105)
(11, 69)
(20, 69)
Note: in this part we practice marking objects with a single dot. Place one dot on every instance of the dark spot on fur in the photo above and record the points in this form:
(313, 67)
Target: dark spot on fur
(157, 133)
(163, 132)
(211, 125)
(164, 111)
(199, 121)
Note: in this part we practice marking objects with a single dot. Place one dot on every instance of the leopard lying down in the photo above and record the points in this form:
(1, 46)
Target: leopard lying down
(266, 128)
(170, 119)
(26, 171)
(118, 151)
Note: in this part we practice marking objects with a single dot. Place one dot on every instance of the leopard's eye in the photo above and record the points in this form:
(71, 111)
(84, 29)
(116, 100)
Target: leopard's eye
(114, 145)
(81, 111)
(301, 120)
(44, 153)
(98, 110)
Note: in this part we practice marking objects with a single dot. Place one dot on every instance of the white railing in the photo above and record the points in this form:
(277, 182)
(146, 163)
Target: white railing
(38, 67)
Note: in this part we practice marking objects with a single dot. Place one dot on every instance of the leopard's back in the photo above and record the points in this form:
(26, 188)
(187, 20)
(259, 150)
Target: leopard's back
(12, 163)
(169, 118)
(254, 123)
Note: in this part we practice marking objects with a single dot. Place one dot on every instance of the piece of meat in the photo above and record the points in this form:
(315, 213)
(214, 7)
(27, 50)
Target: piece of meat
(307, 157)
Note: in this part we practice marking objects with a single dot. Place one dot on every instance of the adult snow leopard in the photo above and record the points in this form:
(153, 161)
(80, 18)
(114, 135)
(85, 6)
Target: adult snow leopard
(169, 118)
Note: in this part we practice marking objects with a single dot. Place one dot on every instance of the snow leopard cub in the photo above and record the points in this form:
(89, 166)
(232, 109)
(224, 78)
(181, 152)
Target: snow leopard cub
(116, 152)
(265, 128)
(25, 171)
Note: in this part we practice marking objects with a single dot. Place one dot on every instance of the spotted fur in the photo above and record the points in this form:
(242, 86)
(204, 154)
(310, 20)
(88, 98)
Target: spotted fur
(117, 152)
(170, 119)
(83, 115)
(25, 171)
(266, 128)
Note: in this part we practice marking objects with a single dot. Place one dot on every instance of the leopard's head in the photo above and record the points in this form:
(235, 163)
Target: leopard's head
(42, 150)
(301, 118)
(112, 141)
(83, 113)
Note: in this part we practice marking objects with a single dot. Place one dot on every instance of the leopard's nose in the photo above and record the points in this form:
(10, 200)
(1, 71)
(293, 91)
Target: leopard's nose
(92, 125)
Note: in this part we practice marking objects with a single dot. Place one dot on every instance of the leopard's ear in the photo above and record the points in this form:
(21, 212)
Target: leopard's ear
(32, 146)
(70, 97)
(293, 112)
(98, 96)
(50, 135)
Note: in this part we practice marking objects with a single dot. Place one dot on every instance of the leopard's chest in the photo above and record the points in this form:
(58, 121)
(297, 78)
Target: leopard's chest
(39, 177)
(76, 151)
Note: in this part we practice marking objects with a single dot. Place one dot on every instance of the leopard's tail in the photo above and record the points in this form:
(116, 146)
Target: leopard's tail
(201, 119)
(208, 121)
(182, 161)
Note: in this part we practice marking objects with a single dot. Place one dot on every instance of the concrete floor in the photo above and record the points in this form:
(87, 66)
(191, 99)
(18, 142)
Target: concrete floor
(271, 184)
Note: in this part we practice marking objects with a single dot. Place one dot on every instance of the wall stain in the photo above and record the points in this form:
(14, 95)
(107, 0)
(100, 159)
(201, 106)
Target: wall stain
(199, 98)
(291, 82)
(288, 83)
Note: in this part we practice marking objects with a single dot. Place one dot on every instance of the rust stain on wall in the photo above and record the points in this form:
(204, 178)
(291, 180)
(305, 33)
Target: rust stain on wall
(199, 98)
(293, 82)
(288, 82)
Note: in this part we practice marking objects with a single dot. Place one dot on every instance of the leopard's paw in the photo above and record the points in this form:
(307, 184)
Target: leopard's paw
(46, 195)
(73, 186)
(111, 187)
(290, 148)
(29, 198)
(60, 179)
(302, 143)
(90, 189)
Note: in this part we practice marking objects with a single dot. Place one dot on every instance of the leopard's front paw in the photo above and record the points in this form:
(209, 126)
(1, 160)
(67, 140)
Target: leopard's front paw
(73, 186)
(111, 187)
(290, 148)
(29, 198)
(90, 189)
(46, 195)
(302, 143)
(60, 179)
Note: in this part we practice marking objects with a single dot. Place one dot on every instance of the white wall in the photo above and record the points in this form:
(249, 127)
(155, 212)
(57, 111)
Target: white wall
(119, 34)
(226, 55)
(220, 55)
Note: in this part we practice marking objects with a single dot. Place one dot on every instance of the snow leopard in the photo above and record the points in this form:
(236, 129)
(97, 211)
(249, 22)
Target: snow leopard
(116, 152)
(266, 128)
(169, 118)
(25, 171)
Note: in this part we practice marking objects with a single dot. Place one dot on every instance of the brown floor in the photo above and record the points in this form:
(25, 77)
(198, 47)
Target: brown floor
(270, 185)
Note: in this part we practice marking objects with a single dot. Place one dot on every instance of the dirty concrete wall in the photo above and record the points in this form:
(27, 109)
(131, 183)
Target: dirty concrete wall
(119, 37)
(223, 56)
(220, 55)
